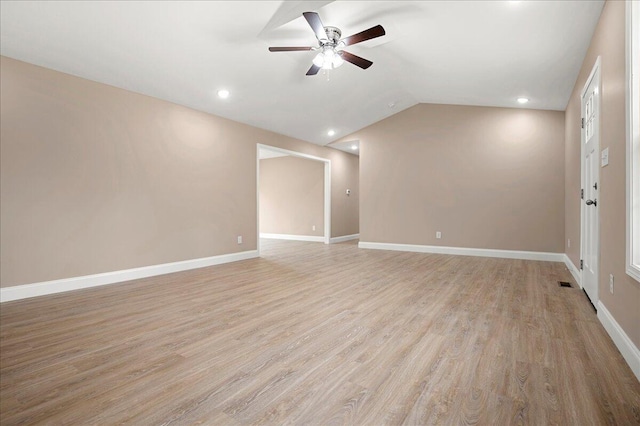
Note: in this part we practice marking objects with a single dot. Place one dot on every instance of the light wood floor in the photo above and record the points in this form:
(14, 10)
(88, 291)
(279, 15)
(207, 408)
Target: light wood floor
(315, 334)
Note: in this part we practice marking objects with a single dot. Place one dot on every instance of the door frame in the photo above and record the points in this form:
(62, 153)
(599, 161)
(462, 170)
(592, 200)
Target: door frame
(595, 75)
(327, 188)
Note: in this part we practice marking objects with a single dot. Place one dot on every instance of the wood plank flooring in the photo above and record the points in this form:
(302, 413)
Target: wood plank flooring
(316, 334)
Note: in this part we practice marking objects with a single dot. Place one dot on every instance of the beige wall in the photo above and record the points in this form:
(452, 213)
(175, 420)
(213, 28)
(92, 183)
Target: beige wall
(97, 179)
(291, 196)
(485, 177)
(608, 42)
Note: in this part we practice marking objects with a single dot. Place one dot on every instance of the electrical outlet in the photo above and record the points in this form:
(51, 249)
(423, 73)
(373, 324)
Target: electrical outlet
(438, 234)
(568, 242)
(313, 228)
(611, 283)
(239, 239)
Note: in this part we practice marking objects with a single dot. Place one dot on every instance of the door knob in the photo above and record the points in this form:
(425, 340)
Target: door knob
(594, 202)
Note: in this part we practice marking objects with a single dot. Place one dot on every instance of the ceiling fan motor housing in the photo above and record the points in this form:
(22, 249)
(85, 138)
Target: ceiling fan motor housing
(333, 36)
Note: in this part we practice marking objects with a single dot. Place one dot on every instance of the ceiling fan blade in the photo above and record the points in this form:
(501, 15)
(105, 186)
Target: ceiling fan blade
(313, 70)
(365, 35)
(356, 60)
(316, 24)
(288, 49)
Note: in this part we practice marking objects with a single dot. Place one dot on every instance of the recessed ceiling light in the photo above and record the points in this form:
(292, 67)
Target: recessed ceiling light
(523, 100)
(391, 105)
(223, 93)
(354, 147)
(331, 132)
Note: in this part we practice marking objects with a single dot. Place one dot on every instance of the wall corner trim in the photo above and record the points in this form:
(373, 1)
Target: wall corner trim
(311, 238)
(464, 251)
(344, 238)
(575, 272)
(629, 351)
(18, 292)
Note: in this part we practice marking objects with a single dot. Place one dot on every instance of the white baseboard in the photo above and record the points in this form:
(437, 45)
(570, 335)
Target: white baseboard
(463, 251)
(67, 284)
(629, 351)
(344, 238)
(293, 237)
(573, 269)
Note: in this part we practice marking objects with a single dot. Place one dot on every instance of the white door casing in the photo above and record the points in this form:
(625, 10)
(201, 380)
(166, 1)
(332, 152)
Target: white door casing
(590, 165)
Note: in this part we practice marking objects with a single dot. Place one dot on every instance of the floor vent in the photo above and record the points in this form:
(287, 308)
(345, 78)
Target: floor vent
(564, 284)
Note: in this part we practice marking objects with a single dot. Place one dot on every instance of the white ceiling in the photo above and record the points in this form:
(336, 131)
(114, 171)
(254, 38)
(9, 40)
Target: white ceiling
(454, 52)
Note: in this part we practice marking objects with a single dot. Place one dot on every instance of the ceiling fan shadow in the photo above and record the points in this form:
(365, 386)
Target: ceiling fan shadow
(391, 13)
(288, 11)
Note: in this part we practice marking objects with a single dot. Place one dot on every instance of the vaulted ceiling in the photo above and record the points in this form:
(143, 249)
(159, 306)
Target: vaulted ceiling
(454, 52)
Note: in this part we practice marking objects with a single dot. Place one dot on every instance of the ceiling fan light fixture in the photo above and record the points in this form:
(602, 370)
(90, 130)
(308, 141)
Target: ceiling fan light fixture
(319, 60)
(331, 58)
(337, 60)
(328, 59)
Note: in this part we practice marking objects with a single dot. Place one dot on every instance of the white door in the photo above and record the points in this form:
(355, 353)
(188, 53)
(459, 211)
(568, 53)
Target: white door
(591, 186)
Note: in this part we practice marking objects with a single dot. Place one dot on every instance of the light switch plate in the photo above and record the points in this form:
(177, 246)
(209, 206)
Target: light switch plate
(604, 157)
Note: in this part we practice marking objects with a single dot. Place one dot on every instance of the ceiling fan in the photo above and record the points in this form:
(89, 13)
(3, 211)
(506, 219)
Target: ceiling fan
(330, 47)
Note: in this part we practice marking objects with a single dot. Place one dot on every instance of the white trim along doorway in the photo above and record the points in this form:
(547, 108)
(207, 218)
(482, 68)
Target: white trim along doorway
(327, 187)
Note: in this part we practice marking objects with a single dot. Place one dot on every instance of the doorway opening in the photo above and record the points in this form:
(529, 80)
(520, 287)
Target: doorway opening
(293, 187)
